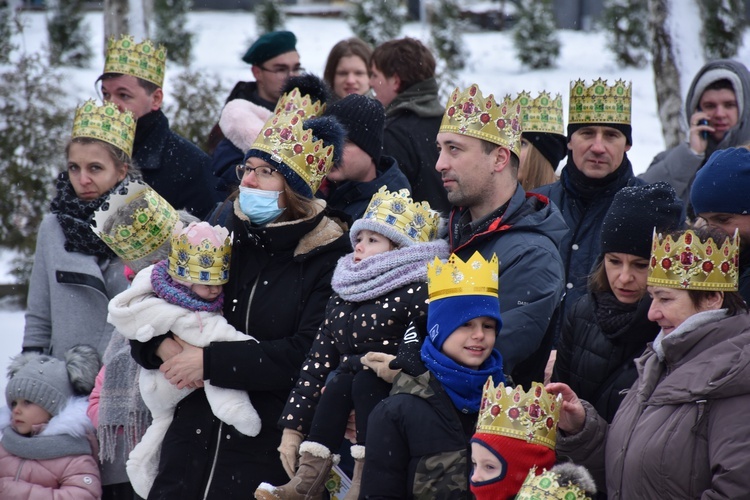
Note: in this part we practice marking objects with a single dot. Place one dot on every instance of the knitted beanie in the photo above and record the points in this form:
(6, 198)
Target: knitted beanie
(553, 147)
(50, 382)
(270, 45)
(629, 223)
(622, 127)
(364, 121)
(517, 457)
(722, 184)
(445, 315)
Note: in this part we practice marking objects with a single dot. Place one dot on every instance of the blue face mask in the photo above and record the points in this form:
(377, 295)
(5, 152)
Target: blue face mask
(260, 206)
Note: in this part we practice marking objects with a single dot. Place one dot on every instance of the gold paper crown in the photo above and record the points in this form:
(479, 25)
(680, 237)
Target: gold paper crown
(287, 142)
(688, 264)
(202, 263)
(546, 486)
(105, 123)
(150, 228)
(415, 220)
(542, 114)
(600, 103)
(469, 113)
(476, 276)
(144, 60)
(293, 102)
(530, 416)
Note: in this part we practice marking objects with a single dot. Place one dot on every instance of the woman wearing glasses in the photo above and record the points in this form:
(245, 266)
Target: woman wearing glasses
(284, 252)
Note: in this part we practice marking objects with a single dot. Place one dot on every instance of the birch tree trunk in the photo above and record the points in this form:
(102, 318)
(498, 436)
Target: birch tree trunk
(127, 17)
(666, 73)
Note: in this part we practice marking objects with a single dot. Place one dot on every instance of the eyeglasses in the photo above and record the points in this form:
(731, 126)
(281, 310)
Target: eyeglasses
(283, 71)
(262, 173)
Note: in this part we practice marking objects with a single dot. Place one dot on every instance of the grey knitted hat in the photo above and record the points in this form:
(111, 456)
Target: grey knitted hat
(50, 382)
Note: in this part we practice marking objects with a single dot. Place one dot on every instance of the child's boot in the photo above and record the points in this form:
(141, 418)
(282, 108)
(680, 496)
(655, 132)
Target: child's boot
(315, 464)
(358, 454)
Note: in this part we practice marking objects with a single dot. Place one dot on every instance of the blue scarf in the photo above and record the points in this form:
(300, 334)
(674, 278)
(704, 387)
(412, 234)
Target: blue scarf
(463, 385)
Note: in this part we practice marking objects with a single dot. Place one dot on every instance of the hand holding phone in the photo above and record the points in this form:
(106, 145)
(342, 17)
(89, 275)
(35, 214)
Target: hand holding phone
(704, 133)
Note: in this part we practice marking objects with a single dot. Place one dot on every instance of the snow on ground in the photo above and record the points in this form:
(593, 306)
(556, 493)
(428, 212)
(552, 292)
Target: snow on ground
(222, 38)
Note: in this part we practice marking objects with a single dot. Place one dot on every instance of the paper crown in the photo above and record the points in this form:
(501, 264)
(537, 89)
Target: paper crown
(688, 264)
(145, 60)
(546, 486)
(200, 254)
(105, 123)
(542, 114)
(469, 113)
(415, 220)
(286, 141)
(530, 416)
(476, 276)
(149, 228)
(600, 103)
(293, 102)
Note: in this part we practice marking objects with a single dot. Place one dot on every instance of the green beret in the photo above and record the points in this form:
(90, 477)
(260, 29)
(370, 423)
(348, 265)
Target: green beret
(269, 46)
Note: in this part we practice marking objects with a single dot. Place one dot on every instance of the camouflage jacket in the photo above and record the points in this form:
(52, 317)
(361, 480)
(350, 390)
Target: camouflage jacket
(417, 443)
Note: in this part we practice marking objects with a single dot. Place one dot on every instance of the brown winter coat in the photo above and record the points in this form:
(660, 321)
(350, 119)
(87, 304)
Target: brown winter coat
(683, 429)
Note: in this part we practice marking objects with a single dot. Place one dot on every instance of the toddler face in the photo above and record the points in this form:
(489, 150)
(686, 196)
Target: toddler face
(207, 292)
(471, 343)
(25, 415)
(369, 243)
(484, 464)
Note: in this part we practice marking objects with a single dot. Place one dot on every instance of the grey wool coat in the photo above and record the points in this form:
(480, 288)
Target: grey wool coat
(68, 295)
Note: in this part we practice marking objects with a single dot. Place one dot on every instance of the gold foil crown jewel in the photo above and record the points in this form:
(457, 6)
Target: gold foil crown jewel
(145, 60)
(546, 486)
(543, 114)
(293, 102)
(600, 103)
(200, 254)
(469, 113)
(415, 220)
(512, 412)
(147, 229)
(105, 123)
(455, 277)
(688, 264)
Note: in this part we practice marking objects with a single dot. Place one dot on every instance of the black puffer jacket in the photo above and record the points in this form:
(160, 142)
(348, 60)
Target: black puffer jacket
(596, 361)
(349, 331)
(280, 282)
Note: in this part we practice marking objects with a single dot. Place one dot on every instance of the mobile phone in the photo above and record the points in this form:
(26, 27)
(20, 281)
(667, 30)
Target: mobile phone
(703, 121)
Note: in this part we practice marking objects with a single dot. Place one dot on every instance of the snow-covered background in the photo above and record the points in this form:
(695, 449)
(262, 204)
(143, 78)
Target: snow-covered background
(222, 38)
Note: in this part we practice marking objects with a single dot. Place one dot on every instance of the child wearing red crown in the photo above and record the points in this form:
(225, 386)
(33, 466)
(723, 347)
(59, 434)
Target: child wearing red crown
(379, 289)
(182, 295)
(419, 436)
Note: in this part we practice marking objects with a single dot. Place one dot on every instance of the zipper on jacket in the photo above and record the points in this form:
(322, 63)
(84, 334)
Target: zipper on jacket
(18, 472)
(249, 304)
(213, 463)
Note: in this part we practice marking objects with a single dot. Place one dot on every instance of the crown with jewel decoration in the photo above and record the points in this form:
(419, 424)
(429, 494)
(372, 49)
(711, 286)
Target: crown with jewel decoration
(293, 102)
(688, 264)
(396, 210)
(470, 113)
(105, 123)
(546, 486)
(530, 416)
(543, 114)
(455, 277)
(286, 141)
(200, 254)
(145, 60)
(149, 227)
(600, 103)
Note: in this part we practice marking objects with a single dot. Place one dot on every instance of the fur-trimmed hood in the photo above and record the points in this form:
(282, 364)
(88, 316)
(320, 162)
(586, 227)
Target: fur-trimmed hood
(241, 121)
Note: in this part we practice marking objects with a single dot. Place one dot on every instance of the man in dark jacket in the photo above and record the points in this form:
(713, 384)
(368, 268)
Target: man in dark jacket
(403, 78)
(350, 185)
(599, 136)
(478, 163)
(173, 166)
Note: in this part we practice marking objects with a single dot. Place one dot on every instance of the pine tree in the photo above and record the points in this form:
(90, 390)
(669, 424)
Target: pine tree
(534, 34)
(68, 35)
(269, 16)
(171, 30)
(446, 30)
(723, 25)
(34, 120)
(197, 101)
(377, 21)
(7, 18)
(626, 25)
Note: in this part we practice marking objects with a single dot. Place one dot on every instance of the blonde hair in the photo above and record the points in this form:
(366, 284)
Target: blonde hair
(535, 170)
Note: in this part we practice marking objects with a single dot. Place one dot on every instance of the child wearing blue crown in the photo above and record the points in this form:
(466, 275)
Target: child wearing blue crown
(182, 295)
(378, 290)
(420, 434)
